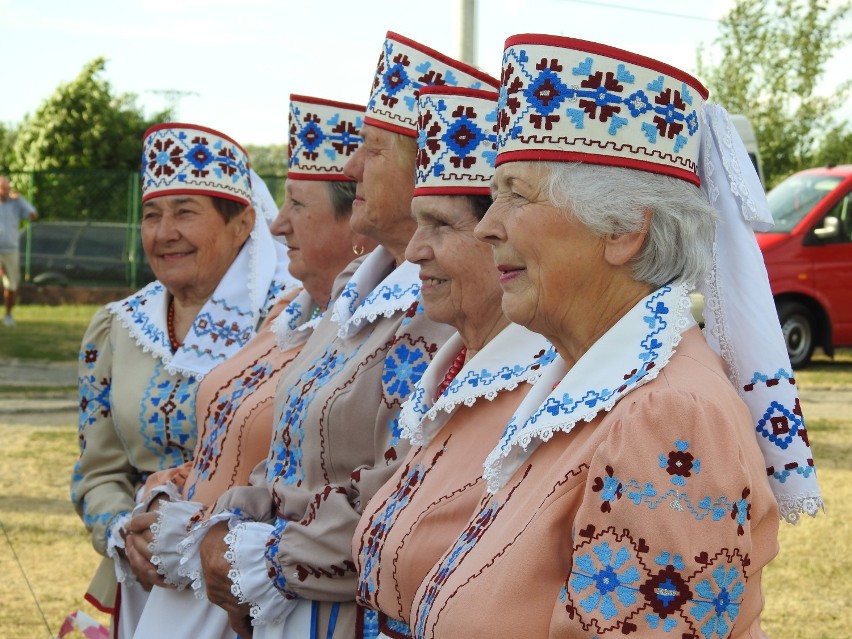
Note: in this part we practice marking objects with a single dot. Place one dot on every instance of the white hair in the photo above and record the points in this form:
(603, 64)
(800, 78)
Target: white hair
(613, 200)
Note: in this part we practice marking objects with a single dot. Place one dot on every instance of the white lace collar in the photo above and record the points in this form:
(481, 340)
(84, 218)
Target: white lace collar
(296, 322)
(605, 374)
(376, 289)
(514, 356)
(254, 282)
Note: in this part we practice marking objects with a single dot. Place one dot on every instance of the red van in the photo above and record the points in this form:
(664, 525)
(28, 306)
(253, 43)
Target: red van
(808, 255)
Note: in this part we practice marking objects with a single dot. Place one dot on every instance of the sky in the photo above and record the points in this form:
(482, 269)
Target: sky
(232, 64)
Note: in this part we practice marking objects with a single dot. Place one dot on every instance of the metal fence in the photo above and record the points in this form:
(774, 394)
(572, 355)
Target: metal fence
(95, 196)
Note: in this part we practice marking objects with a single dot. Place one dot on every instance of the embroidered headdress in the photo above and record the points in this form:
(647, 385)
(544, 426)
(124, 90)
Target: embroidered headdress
(323, 136)
(569, 100)
(406, 66)
(456, 136)
(186, 159)
(563, 99)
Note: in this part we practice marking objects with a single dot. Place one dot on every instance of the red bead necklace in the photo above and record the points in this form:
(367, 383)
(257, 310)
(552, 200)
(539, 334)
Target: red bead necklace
(455, 367)
(170, 325)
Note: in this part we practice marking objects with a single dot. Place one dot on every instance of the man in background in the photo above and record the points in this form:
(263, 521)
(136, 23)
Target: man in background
(13, 209)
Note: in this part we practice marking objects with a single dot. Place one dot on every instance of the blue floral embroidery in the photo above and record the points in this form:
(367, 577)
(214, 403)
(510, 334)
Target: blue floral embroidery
(610, 586)
(721, 601)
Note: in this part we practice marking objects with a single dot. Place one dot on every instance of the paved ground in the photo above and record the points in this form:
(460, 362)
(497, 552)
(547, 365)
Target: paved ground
(50, 406)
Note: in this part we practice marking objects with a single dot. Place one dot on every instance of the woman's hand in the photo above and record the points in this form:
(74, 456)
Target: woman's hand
(136, 540)
(216, 568)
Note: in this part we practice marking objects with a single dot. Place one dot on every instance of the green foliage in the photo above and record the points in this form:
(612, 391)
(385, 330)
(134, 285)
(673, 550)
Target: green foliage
(81, 130)
(774, 54)
(7, 140)
(268, 160)
(270, 163)
(836, 148)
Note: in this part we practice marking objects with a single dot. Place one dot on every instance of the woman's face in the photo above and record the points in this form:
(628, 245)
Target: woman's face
(551, 267)
(385, 184)
(318, 242)
(188, 243)
(459, 282)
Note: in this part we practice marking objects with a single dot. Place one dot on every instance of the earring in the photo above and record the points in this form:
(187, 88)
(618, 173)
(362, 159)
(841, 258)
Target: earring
(358, 250)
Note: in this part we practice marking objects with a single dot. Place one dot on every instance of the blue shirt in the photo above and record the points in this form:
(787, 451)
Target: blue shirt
(12, 211)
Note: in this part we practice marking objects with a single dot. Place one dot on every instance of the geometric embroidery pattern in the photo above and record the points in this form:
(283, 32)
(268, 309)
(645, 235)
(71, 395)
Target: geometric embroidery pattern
(615, 585)
(323, 135)
(404, 68)
(189, 158)
(456, 136)
(575, 99)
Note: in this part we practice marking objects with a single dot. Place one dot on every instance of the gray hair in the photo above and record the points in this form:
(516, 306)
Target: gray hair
(612, 201)
(341, 193)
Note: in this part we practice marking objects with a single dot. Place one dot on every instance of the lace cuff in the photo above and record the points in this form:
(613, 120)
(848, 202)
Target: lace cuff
(189, 551)
(115, 541)
(169, 489)
(247, 543)
(170, 529)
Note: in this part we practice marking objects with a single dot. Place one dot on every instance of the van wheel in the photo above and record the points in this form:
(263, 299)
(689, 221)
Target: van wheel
(797, 325)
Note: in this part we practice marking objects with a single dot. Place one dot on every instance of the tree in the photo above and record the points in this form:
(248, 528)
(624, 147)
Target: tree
(774, 54)
(836, 148)
(7, 140)
(81, 144)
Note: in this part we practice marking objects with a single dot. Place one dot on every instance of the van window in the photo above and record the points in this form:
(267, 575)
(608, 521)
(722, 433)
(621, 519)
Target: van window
(795, 197)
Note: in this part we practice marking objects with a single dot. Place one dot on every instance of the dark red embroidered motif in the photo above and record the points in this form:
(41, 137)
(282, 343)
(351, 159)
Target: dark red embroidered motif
(680, 463)
(666, 591)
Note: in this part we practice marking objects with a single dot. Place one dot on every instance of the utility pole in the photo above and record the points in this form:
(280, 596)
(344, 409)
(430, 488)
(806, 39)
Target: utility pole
(467, 31)
(173, 98)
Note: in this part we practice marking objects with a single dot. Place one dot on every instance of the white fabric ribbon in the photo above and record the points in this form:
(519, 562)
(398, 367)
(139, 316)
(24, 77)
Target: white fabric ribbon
(741, 323)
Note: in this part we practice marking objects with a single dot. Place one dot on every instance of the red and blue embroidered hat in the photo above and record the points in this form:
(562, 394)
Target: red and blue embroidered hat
(187, 159)
(456, 141)
(405, 67)
(323, 136)
(568, 100)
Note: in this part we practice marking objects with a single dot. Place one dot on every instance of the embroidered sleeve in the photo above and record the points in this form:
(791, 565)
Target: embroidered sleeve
(103, 481)
(663, 539)
(312, 557)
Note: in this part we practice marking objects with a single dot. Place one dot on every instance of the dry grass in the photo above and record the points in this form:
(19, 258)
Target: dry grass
(46, 534)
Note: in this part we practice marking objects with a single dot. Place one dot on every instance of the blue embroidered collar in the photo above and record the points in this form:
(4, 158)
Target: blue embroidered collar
(514, 356)
(376, 289)
(605, 374)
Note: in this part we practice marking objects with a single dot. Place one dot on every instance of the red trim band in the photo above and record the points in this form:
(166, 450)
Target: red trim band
(393, 128)
(297, 97)
(184, 125)
(319, 177)
(451, 190)
(533, 155)
(461, 66)
(462, 91)
(198, 191)
(97, 604)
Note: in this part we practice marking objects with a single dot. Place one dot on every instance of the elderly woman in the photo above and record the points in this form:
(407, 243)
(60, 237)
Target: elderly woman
(234, 407)
(460, 406)
(336, 437)
(142, 359)
(629, 493)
